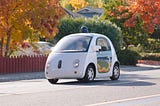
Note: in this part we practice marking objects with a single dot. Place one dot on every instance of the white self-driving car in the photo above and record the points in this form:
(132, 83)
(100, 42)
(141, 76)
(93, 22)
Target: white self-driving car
(82, 56)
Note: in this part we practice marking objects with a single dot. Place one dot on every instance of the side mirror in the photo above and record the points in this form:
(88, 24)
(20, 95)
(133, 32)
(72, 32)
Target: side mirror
(96, 48)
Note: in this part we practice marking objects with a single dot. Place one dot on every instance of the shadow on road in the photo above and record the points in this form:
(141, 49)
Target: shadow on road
(109, 83)
(126, 79)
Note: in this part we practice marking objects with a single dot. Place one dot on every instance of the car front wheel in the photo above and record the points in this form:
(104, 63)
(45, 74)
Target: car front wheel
(53, 81)
(90, 74)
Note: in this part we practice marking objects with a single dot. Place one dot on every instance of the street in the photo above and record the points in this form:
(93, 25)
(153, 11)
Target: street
(136, 87)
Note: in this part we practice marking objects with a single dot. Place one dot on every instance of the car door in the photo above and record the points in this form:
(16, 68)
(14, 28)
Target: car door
(104, 55)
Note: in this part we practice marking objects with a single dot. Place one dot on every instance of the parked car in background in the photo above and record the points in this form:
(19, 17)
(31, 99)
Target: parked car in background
(43, 47)
(35, 48)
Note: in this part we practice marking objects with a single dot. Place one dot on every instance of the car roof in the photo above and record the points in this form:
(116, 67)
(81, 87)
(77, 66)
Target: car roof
(42, 42)
(87, 34)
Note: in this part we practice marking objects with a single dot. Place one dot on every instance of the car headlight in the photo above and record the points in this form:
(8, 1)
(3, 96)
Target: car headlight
(76, 63)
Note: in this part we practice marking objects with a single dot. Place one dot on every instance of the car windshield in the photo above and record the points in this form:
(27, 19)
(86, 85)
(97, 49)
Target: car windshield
(73, 44)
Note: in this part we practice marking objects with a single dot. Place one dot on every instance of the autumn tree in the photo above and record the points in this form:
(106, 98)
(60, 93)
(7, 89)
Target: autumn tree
(27, 20)
(78, 4)
(66, 4)
(144, 12)
(96, 3)
(147, 11)
(117, 12)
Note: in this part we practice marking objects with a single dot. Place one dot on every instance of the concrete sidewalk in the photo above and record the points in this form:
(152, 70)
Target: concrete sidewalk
(21, 76)
(40, 75)
(139, 67)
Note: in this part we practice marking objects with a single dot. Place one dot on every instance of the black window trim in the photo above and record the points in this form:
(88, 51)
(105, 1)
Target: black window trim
(106, 41)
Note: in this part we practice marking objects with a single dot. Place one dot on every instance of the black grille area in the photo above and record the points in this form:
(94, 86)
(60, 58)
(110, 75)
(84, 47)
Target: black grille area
(59, 64)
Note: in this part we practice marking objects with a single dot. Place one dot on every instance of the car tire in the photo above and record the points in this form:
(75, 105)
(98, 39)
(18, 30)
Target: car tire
(90, 74)
(81, 80)
(116, 72)
(53, 81)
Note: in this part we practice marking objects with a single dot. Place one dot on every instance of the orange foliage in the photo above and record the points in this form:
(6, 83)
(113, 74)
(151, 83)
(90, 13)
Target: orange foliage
(100, 4)
(78, 4)
(27, 19)
(147, 10)
(121, 8)
(125, 15)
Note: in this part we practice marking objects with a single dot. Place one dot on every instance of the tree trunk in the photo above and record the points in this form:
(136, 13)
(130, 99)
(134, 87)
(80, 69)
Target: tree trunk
(8, 41)
(1, 46)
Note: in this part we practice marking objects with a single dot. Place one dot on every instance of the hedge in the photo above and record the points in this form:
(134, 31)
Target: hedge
(128, 57)
(150, 56)
(95, 25)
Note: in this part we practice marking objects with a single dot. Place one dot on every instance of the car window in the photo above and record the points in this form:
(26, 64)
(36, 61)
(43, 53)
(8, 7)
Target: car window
(73, 44)
(105, 46)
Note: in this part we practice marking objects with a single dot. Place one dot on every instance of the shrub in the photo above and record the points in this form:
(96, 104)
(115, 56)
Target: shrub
(128, 57)
(150, 56)
(153, 45)
(137, 48)
(95, 25)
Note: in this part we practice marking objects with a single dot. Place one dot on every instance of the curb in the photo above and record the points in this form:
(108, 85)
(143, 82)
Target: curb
(149, 62)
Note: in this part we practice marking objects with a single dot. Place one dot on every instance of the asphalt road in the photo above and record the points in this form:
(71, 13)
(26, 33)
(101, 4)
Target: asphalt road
(136, 87)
